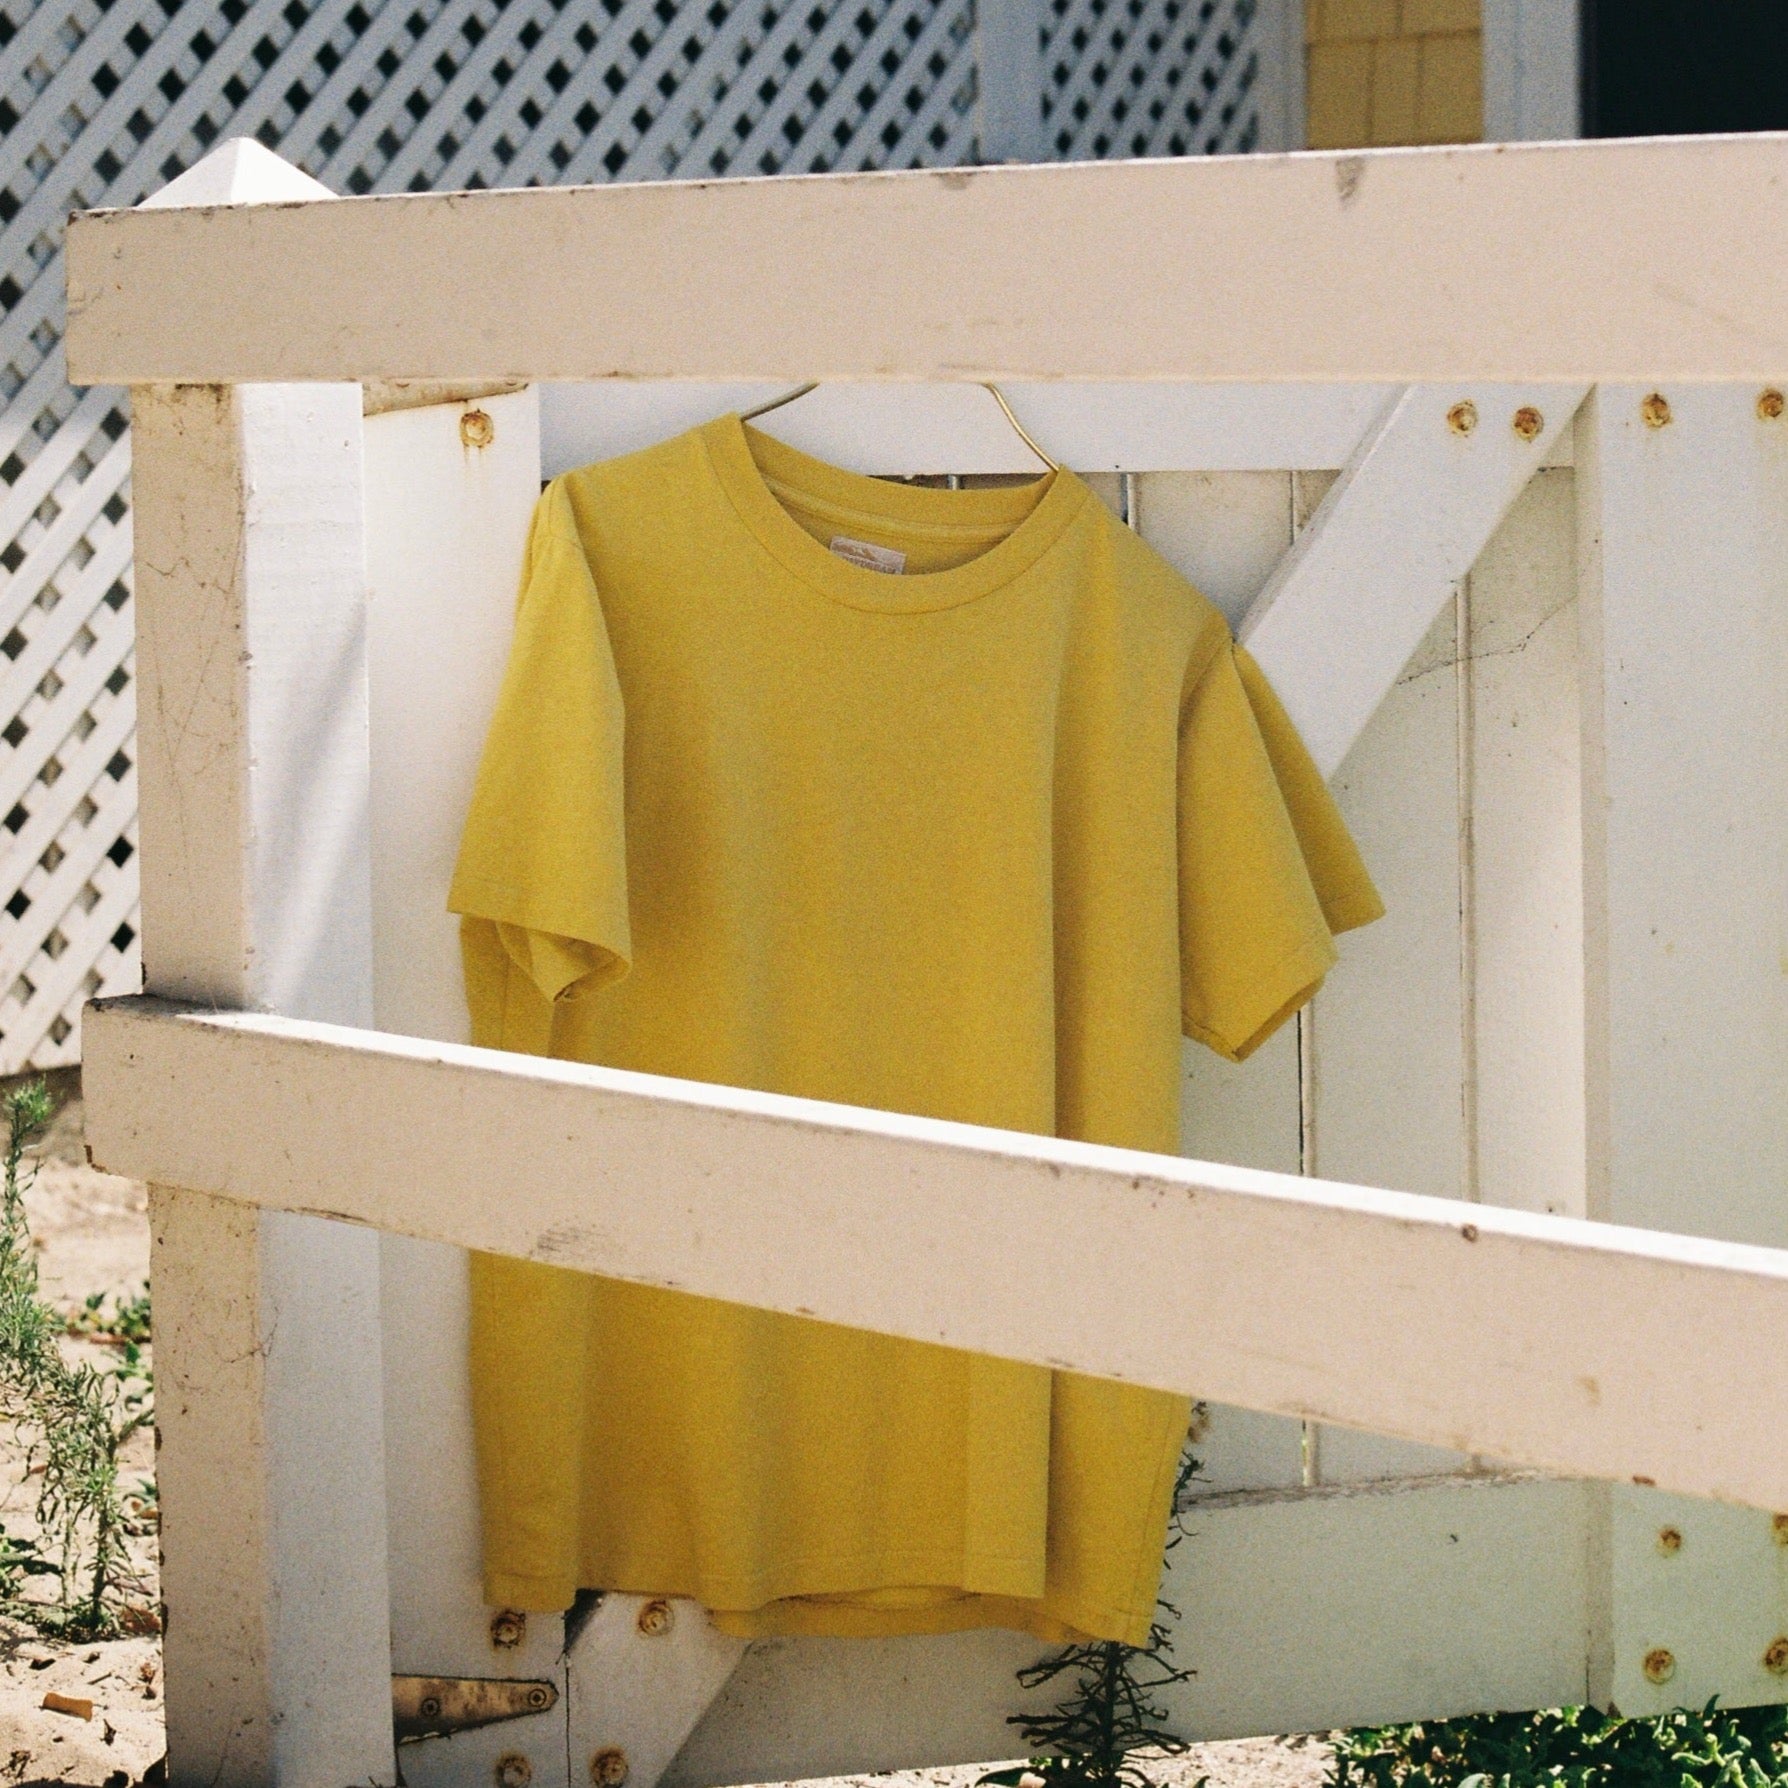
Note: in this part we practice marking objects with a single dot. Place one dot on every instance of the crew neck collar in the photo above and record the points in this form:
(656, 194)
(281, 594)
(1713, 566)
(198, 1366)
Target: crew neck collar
(749, 463)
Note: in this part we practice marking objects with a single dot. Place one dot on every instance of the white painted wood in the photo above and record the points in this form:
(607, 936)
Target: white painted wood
(1279, 35)
(1386, 1023)
(1227, 531)
(1158, 426)
(1686, 782)
(250, 592)
(1009, 90)
(1386, 1027)
(1300, 1613)
(239, 171)
(1532, 53)
(1530, 1338)
(1526, 842)
(1686, 856)
(796, 1709)
(445, 526)
(1410, 265)
(1351, 601)
(1705, 1583)
(642, 1673)
(1381, 1603)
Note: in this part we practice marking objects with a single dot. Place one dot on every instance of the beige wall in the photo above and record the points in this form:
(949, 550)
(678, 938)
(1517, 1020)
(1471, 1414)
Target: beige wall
(1393, 71)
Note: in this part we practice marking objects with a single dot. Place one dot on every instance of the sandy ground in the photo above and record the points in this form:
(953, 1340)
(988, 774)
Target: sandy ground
(1236, 1763)
(93, 1235)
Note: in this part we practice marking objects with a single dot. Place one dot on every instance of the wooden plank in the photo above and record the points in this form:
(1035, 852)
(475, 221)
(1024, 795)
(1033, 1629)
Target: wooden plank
(252, 754)
(1350, 602)
(445, 527)
(1385, 1030)
(1532, 78)
(1544, 262)
(1683, 532)
(1009, 83)
(926, 427)
(1539, 1340)
(641, 1672)
(1301, 1613)
(1525, 950)
(1376, 1603)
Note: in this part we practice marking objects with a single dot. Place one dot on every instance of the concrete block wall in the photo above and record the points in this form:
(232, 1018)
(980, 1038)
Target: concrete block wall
(1382, 72)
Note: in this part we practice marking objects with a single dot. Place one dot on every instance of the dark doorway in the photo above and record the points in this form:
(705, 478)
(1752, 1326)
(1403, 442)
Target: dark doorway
(1684, 67)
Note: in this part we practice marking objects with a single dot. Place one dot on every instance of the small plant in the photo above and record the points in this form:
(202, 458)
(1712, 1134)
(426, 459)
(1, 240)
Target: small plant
(74, 1418)
(1571, 1747)
(1108, 1712)
(125, 1324)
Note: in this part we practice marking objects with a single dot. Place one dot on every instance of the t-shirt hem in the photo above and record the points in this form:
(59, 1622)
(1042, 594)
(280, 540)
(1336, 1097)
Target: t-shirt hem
(844, 1620)
(529, 1594)
(1349, 911)
(1054, 1623)
(1272, 999)
(833, 1576)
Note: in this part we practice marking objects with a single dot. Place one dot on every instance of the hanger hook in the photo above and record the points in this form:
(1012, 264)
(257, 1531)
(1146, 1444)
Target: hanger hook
(776, 403)
(998, 396)
(1018, 428)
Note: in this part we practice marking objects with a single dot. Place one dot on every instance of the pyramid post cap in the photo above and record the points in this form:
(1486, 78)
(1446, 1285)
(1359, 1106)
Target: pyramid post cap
(239, 172)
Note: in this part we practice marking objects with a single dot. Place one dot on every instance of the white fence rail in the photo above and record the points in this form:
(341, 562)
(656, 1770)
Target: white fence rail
(1540, 1341)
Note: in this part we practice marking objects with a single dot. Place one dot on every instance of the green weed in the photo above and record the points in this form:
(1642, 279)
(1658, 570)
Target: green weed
(1108, 1709)
(125, 1324)
(1572, 1747)
(72, 1417)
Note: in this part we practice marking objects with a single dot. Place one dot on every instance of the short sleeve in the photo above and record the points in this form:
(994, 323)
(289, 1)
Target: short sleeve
(1268, 872)
(541, 882)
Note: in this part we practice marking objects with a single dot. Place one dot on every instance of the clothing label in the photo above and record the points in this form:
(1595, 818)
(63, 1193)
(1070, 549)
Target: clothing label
(871, 558)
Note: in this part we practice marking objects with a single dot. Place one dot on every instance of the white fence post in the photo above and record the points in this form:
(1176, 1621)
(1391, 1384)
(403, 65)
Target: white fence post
(1532, 59)
(1010, 79)
(1683, 537)
(256, 893)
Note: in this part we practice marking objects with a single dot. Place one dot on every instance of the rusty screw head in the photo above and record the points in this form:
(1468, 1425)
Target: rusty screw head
(1659, 1665)
(1669, 1540)
(1775, 1658)
(1655, 410)
(1770, 405)
(655, 1618)
(508, 1628)
(431, 1707)
(513, 1770)
(609, 1767)
(1527, 423)
(476, 428)
(1462, 418)
(540, 1698)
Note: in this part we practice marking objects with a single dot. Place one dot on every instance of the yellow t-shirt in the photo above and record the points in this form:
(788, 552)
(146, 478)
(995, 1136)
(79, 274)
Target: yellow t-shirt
(975, 839)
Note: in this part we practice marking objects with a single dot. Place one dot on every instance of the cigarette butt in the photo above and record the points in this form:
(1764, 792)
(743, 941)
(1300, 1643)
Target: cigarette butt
(78, 1705)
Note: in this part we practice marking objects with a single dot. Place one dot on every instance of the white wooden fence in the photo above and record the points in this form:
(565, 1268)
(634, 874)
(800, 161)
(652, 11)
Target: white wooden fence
(1543, 635)
(100, 104)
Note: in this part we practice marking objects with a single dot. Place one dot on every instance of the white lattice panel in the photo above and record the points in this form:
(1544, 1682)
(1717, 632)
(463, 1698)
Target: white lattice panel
(102, 101)
(1150, 77)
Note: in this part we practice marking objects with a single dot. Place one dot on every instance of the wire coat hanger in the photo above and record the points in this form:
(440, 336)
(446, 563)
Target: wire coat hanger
(987, 385)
